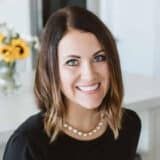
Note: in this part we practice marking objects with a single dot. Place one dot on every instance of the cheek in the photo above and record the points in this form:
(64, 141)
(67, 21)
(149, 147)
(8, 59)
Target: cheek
(66, 80)
(103, 70)
(105, 74)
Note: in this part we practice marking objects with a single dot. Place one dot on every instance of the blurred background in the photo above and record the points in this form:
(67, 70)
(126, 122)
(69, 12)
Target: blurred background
(136, 27)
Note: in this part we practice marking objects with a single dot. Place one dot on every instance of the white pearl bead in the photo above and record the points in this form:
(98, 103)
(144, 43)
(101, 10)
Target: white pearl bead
(98, 127)
(100, 123)
(75, 130)
(70, 128)
(85, 134)
(80, 133)
(90, 133)
(65, 125)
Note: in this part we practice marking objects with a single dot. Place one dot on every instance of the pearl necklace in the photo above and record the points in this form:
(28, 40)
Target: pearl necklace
(81, 133)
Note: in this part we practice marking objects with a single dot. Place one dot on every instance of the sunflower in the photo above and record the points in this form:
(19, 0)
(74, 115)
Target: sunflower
(1, 37)
(20, 48)
(6, 53)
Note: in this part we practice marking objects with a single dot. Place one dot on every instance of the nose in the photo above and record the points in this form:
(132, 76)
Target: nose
(88, 72)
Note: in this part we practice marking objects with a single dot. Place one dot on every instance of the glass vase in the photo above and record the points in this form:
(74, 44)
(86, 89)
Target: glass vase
(8, 82)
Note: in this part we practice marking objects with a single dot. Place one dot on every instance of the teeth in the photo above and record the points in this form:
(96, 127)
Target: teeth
(89, 88)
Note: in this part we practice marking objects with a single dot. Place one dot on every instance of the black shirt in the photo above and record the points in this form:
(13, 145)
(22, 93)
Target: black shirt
(30, 142)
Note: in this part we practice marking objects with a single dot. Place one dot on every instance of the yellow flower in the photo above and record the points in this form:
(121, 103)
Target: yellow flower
(20, 48)
(1, 37)
(6, 53)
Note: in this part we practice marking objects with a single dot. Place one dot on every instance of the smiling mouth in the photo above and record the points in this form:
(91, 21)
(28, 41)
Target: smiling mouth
(89, 88)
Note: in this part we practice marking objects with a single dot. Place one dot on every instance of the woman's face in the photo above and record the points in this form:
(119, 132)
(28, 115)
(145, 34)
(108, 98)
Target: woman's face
(84, 73)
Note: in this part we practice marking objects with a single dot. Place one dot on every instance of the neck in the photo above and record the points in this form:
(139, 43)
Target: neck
(81, 118)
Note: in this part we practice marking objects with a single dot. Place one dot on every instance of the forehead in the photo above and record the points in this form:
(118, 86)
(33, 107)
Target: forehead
(79, 43)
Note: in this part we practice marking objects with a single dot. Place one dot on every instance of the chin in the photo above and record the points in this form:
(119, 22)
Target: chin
(90, 106)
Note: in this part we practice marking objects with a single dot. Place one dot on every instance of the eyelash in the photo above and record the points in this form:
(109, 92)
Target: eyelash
(72, 62)
(103, 58)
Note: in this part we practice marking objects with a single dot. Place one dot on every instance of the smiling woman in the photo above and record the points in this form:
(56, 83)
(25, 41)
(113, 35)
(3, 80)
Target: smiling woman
(82, 76)
(79, 89)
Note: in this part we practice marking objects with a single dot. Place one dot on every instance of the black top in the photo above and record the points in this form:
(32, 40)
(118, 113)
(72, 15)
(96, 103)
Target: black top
(30, 142)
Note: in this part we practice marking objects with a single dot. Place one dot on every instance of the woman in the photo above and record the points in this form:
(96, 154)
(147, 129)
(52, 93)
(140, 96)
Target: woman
(79, 89)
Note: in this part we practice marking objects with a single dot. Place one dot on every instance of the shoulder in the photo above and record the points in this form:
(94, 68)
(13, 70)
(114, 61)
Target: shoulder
(16, 147)
(31, 124)
(129, 134)
(130, 117)
(131, 123)
(21, 143)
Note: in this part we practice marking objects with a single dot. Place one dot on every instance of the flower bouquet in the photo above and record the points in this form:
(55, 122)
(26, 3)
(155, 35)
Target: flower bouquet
(12, 48)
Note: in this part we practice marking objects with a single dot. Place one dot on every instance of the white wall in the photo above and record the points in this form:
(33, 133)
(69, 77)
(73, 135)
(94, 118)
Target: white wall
(93, 5)
(21, 17)
(136, 25)
(17, 14)
(157, 38)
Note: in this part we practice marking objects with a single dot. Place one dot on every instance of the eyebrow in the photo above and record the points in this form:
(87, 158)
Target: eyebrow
(97, 52)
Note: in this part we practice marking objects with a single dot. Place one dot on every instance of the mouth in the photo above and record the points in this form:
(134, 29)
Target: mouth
(89, 88)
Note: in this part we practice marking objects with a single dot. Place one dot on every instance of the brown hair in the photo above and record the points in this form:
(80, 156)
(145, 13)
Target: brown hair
(47, 86)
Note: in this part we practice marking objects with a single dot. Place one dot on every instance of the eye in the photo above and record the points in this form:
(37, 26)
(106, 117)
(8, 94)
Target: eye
(72, 62)
(100, 58)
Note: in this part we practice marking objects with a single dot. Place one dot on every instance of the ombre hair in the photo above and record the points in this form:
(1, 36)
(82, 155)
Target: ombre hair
(47, 81)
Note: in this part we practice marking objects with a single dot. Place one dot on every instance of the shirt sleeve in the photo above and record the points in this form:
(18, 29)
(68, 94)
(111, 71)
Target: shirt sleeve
(134, 130)
(18, 148)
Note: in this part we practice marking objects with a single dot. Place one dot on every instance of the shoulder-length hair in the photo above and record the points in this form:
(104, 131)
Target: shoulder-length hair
(47, 81)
